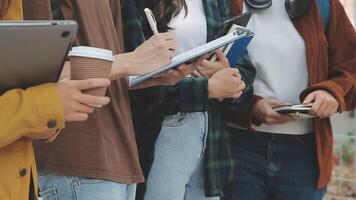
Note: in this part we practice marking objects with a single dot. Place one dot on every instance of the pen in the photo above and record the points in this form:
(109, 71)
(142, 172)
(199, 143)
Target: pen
(151, 20)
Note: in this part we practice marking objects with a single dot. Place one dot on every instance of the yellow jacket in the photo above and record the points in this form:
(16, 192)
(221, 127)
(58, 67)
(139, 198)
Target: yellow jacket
(32, 111)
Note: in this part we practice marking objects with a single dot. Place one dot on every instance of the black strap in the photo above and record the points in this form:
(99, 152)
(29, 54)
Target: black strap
(56, 10)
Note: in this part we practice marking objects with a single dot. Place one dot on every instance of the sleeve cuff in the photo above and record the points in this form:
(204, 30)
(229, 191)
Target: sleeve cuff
(194, 95)
(47, 105)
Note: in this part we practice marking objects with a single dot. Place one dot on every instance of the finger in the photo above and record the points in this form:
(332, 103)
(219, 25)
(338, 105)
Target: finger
(274, 103)
(222, 58)
(322, 109)
(203, 71)
(207, 64)
(166, 35)
(329, 110)
(76, 117)
(281, 119)
(91, 83)
(310, 98)
(237, 95)
(93, 100)
(82, 108)
(197, 74)
(242, 86)
(316, 106)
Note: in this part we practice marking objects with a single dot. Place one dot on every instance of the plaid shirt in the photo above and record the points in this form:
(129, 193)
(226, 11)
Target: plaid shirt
(190, 95)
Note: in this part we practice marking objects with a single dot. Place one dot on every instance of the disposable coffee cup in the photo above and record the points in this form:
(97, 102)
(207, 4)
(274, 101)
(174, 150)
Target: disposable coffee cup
(90, 62)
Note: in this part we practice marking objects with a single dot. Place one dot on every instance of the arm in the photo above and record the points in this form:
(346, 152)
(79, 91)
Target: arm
(35, 110)
(189, 95)
(342, 60)
(239, 111)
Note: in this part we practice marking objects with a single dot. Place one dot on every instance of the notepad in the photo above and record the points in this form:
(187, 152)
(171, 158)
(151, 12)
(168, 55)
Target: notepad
(194, 54)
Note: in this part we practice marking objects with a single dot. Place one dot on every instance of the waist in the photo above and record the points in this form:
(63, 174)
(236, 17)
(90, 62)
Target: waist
(299, 127)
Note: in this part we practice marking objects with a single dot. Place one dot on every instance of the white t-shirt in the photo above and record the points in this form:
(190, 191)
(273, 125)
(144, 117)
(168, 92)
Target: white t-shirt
(190, 30)
(278, 52)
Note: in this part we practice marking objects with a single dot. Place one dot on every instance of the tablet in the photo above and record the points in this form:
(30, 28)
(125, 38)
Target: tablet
(194, 54)
(33, 52)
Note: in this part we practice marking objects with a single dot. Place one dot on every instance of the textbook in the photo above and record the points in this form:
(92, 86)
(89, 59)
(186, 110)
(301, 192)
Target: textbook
(239, 35)
(299, 110)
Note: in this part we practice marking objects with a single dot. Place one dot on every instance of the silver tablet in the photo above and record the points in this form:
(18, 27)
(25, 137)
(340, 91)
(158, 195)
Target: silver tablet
(33, 52)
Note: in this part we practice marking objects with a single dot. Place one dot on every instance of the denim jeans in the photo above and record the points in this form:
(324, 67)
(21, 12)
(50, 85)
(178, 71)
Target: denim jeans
(56, 187)
(274, 167)
(177, 171)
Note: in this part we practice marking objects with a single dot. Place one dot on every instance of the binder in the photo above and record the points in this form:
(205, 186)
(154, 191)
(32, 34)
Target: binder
(241, 34)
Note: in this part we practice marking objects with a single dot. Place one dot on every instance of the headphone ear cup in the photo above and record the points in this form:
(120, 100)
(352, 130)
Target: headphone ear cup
(297, 8)
(258, 4)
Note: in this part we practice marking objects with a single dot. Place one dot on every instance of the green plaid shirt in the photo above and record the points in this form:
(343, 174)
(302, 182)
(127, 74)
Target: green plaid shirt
(150, 105)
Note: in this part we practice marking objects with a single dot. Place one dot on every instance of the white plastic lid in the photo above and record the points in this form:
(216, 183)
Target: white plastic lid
(92, 52)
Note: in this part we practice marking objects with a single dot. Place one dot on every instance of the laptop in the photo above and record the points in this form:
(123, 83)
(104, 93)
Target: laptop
(33, 52)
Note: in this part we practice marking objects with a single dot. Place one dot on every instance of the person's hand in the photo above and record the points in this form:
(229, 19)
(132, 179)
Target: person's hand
(226, 83)
(173, 76)
(76, 105)
(263, 112)
(324, 104)
(208, 68)
(153, 54)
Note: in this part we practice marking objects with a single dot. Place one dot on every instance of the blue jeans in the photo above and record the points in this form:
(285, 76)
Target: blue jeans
(177, 171)
(56, 187)
(274, 167)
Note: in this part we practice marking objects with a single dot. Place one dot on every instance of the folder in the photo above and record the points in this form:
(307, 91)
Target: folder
(240, 35)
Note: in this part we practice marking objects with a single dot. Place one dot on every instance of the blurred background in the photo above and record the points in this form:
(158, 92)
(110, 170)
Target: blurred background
(343, 184)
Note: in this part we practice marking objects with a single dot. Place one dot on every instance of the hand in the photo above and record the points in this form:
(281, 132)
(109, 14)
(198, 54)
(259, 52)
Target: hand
(263, 112)
(325, 105)
(208, 68)
(151, 55)
(75, 103)
(172, 77)
(226, 83)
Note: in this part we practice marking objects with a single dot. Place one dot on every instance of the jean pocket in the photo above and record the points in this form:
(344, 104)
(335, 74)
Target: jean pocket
(176, 120)
(86, 181)
(49, 194)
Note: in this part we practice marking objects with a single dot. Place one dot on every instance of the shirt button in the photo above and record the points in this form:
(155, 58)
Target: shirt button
(23, 172)
(52, 123)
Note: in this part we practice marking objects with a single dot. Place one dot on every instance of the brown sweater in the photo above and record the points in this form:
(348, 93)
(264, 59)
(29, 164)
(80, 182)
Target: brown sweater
(331, 61)
(104, 146)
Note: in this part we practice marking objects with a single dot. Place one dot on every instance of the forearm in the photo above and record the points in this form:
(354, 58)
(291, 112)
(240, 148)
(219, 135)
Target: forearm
(190, 95)
(35, 110)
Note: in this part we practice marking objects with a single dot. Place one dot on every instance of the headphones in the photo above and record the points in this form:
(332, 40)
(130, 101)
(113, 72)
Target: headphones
(294, 8)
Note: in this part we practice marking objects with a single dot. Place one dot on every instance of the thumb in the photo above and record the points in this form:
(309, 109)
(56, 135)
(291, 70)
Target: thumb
(274, 103)
(310, 98)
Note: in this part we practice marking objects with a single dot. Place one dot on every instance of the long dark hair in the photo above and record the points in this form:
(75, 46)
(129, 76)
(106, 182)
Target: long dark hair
(165, 10)
(4, 5)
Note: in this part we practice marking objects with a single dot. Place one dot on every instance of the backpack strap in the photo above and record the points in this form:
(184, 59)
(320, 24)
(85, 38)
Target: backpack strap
(324, 9)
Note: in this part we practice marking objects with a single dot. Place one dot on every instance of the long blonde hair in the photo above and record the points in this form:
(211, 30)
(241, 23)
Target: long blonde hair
(4, 5)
